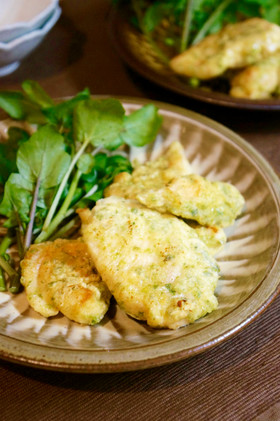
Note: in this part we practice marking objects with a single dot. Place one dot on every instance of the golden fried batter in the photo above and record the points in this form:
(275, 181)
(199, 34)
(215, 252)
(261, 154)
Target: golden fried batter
(60, 276)
(166, 185)
(258, 81)
(172, 163)
(211, 203)
(236, 45)
(154, 264)
(213, 237)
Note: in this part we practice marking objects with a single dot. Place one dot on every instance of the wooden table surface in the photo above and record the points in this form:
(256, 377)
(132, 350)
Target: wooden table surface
(238, 380)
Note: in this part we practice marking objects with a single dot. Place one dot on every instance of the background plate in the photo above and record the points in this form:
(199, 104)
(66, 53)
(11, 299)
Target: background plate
(136, 51)
(250, 265)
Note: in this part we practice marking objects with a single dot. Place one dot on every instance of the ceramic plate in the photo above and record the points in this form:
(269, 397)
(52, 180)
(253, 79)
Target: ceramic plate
(138, 53)
(250, 267)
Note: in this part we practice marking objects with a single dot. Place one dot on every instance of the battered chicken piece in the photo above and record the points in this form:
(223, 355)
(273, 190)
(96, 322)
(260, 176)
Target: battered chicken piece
(258, 81)
(155, 265)
(213, 237)
(236, 45)
(170, 164)
(60, 276)
(211, 203)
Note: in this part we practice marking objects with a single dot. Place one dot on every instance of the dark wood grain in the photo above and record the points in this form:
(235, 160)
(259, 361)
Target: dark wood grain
(238, 380)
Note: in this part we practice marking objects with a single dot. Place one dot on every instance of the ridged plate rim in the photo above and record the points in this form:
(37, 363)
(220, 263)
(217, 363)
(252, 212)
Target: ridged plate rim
(102, 361)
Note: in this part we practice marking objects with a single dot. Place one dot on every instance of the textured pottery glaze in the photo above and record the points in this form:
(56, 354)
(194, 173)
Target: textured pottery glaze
(249, 265)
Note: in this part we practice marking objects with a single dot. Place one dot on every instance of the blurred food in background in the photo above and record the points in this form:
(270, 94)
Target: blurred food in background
(224, 45)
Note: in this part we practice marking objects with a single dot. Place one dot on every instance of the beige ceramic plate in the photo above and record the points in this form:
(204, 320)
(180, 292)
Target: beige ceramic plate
(250, 265)
(138, 53)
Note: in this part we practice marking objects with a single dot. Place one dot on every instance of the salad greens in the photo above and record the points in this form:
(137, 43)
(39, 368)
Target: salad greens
(8, 151)
(65, 164)
(196, 18)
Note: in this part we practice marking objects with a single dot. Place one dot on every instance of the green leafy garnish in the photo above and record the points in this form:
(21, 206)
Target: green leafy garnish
(98, 122)
(19, 107)
(141, 125)
(64, 165)
(8, 152)
(43, 156)
(16, 201)
(61, 114)
(36, 94)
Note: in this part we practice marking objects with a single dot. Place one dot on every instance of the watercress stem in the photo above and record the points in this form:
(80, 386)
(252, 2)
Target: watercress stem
(7, 267)
(15, 283)
(19, 243)
(210, 21)
(19, 223)
(2, 281)
(5, 244)
(62, 186)
(29, 232)
(65, 229)
(62, 211)
(187, 26)
(89, 193)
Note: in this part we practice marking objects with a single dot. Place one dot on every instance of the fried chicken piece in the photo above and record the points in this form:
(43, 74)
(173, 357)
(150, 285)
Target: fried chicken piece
(235, 46)
(60, 276)
(170, 164)
(167, 185)
(213, 237)
(258, 81)
(155, 265)
(211, 203)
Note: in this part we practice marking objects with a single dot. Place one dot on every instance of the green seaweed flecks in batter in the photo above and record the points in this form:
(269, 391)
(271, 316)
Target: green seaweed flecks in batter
(154, 263)
(60, 276)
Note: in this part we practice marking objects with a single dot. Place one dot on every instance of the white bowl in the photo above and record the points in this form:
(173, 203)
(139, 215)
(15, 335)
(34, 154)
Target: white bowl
(18, 17)
(13, 52)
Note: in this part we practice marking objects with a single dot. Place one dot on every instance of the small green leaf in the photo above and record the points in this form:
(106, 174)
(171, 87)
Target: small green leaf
(17, 200)
(90, 178)
(13, 104)
(62, 113)
(100, 161)
(36, 94)
(8, 152)
(20, 108)
(119, 161)
(142, 126)
(85, 163)
(99, 122)
(272, 13)
(43, 156)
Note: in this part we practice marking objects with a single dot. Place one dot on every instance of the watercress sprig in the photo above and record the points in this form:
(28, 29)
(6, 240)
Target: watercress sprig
(66, 164)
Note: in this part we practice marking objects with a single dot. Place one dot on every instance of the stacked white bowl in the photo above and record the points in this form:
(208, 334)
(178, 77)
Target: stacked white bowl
(23, 25)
